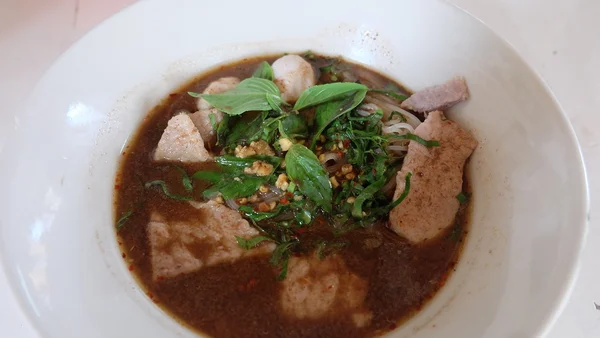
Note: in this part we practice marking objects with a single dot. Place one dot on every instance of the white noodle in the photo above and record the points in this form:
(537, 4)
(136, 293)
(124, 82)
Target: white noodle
(389, 107)
(395, 128)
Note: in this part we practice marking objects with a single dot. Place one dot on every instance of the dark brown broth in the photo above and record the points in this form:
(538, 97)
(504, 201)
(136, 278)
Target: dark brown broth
(241, 299)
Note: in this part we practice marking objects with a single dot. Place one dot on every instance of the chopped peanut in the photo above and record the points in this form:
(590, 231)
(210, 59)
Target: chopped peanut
(272, 205)
(334, 182)
(322, 138)
(298, 198)
(351, 199)
(319, 148)
(237, 179)
(253, 199)
(243, 201)
(333, 147)
(218, 199)
(264, 188)
(285, 144)
(282, 182)
(322, 158)
(255, 148)
(340, 145)
(259, 168)
(346, 168)
(350, 176)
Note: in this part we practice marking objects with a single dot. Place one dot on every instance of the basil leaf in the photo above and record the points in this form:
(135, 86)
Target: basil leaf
(304, 168)
(248, 244)
(223, 129)
(236, 187)
(390, 93)
(328, 112)
(166, 191)
(462, 198)
(413, 137)
(121, 222)
(366, 194)
(294, 126)
(264, 71)
(322, 93)
(246, 132)
(252, 94)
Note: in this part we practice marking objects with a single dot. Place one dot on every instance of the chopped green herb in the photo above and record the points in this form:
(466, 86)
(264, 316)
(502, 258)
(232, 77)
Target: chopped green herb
(404, 192)
(390, 93)
(463, 198)
(121, 222)
(248, 244)
(280, 258)
(185, 179)
(166, 191)
(213, 120)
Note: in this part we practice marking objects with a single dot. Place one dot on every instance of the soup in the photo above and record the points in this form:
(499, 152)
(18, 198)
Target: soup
(296, 196)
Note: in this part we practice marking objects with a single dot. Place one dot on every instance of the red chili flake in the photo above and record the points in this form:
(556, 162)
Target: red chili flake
(172, 94)
(393, 326)
(131, 267)
(149, 294)
(346, 143)
(284, 201)
(330, 287)
(117, 186)
(159, 278)
(123, 255)
(124, 153)
(340, 154)
(119, 243)
(289, 194)
(301, 230)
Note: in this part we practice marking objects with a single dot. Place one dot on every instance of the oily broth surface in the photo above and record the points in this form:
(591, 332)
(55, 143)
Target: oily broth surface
(242, 299)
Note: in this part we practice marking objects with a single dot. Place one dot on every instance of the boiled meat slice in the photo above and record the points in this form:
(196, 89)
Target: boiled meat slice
(316, 288)
(293, 75)
(181, 142)
(437, 178)
(438, 97)
(179, 247)
(202, 121)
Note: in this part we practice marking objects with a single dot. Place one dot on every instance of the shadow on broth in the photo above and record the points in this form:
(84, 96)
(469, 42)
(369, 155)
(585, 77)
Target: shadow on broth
(297, 196)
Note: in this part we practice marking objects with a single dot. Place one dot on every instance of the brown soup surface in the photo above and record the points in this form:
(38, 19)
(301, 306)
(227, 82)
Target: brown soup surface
(241, 299)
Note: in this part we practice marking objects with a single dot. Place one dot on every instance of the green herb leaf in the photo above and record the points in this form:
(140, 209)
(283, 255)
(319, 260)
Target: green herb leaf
(223, 129)
(236, 187)
(304, 168)
(240, 163)
(252, 94)
(248, 244)
(367, 193)
(185, 179)
(404, 192)
(246, 132)
(258, 216)
(462, 198)
(390, 93)
(213, 121)
(280, 258)
(415, 138)
(327, 92)
(209, 176)
(328, 112)
(294, 126)
(121, 222)
(166, 191)
(264, 71)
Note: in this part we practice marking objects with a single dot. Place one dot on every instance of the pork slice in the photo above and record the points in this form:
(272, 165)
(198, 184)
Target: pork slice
(437, 177)
(181, 141)
(208, 238)
(438, 97)
(316, 288)
(202, 121)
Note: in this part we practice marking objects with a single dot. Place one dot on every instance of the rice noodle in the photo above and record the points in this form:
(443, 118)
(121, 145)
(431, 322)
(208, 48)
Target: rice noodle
(232, 204)
(395, 128)
(388, 107)
(367, 109)
(274, 194)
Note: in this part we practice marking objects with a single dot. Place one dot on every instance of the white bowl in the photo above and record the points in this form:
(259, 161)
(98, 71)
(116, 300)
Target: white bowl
(58, 164)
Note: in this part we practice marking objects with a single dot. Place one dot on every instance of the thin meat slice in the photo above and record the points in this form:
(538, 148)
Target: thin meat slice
(181, 141)
(437, 178)
(317, 288)
(179, 247)
(438, 97)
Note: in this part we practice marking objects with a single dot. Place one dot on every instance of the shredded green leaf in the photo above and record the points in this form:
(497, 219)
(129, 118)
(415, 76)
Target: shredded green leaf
(185, 179)
(390, 93)
(404, 192)
(124, 218)
(413, 137)
(166, 191)
(248, 244)
(463, 198)
(280, 258)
